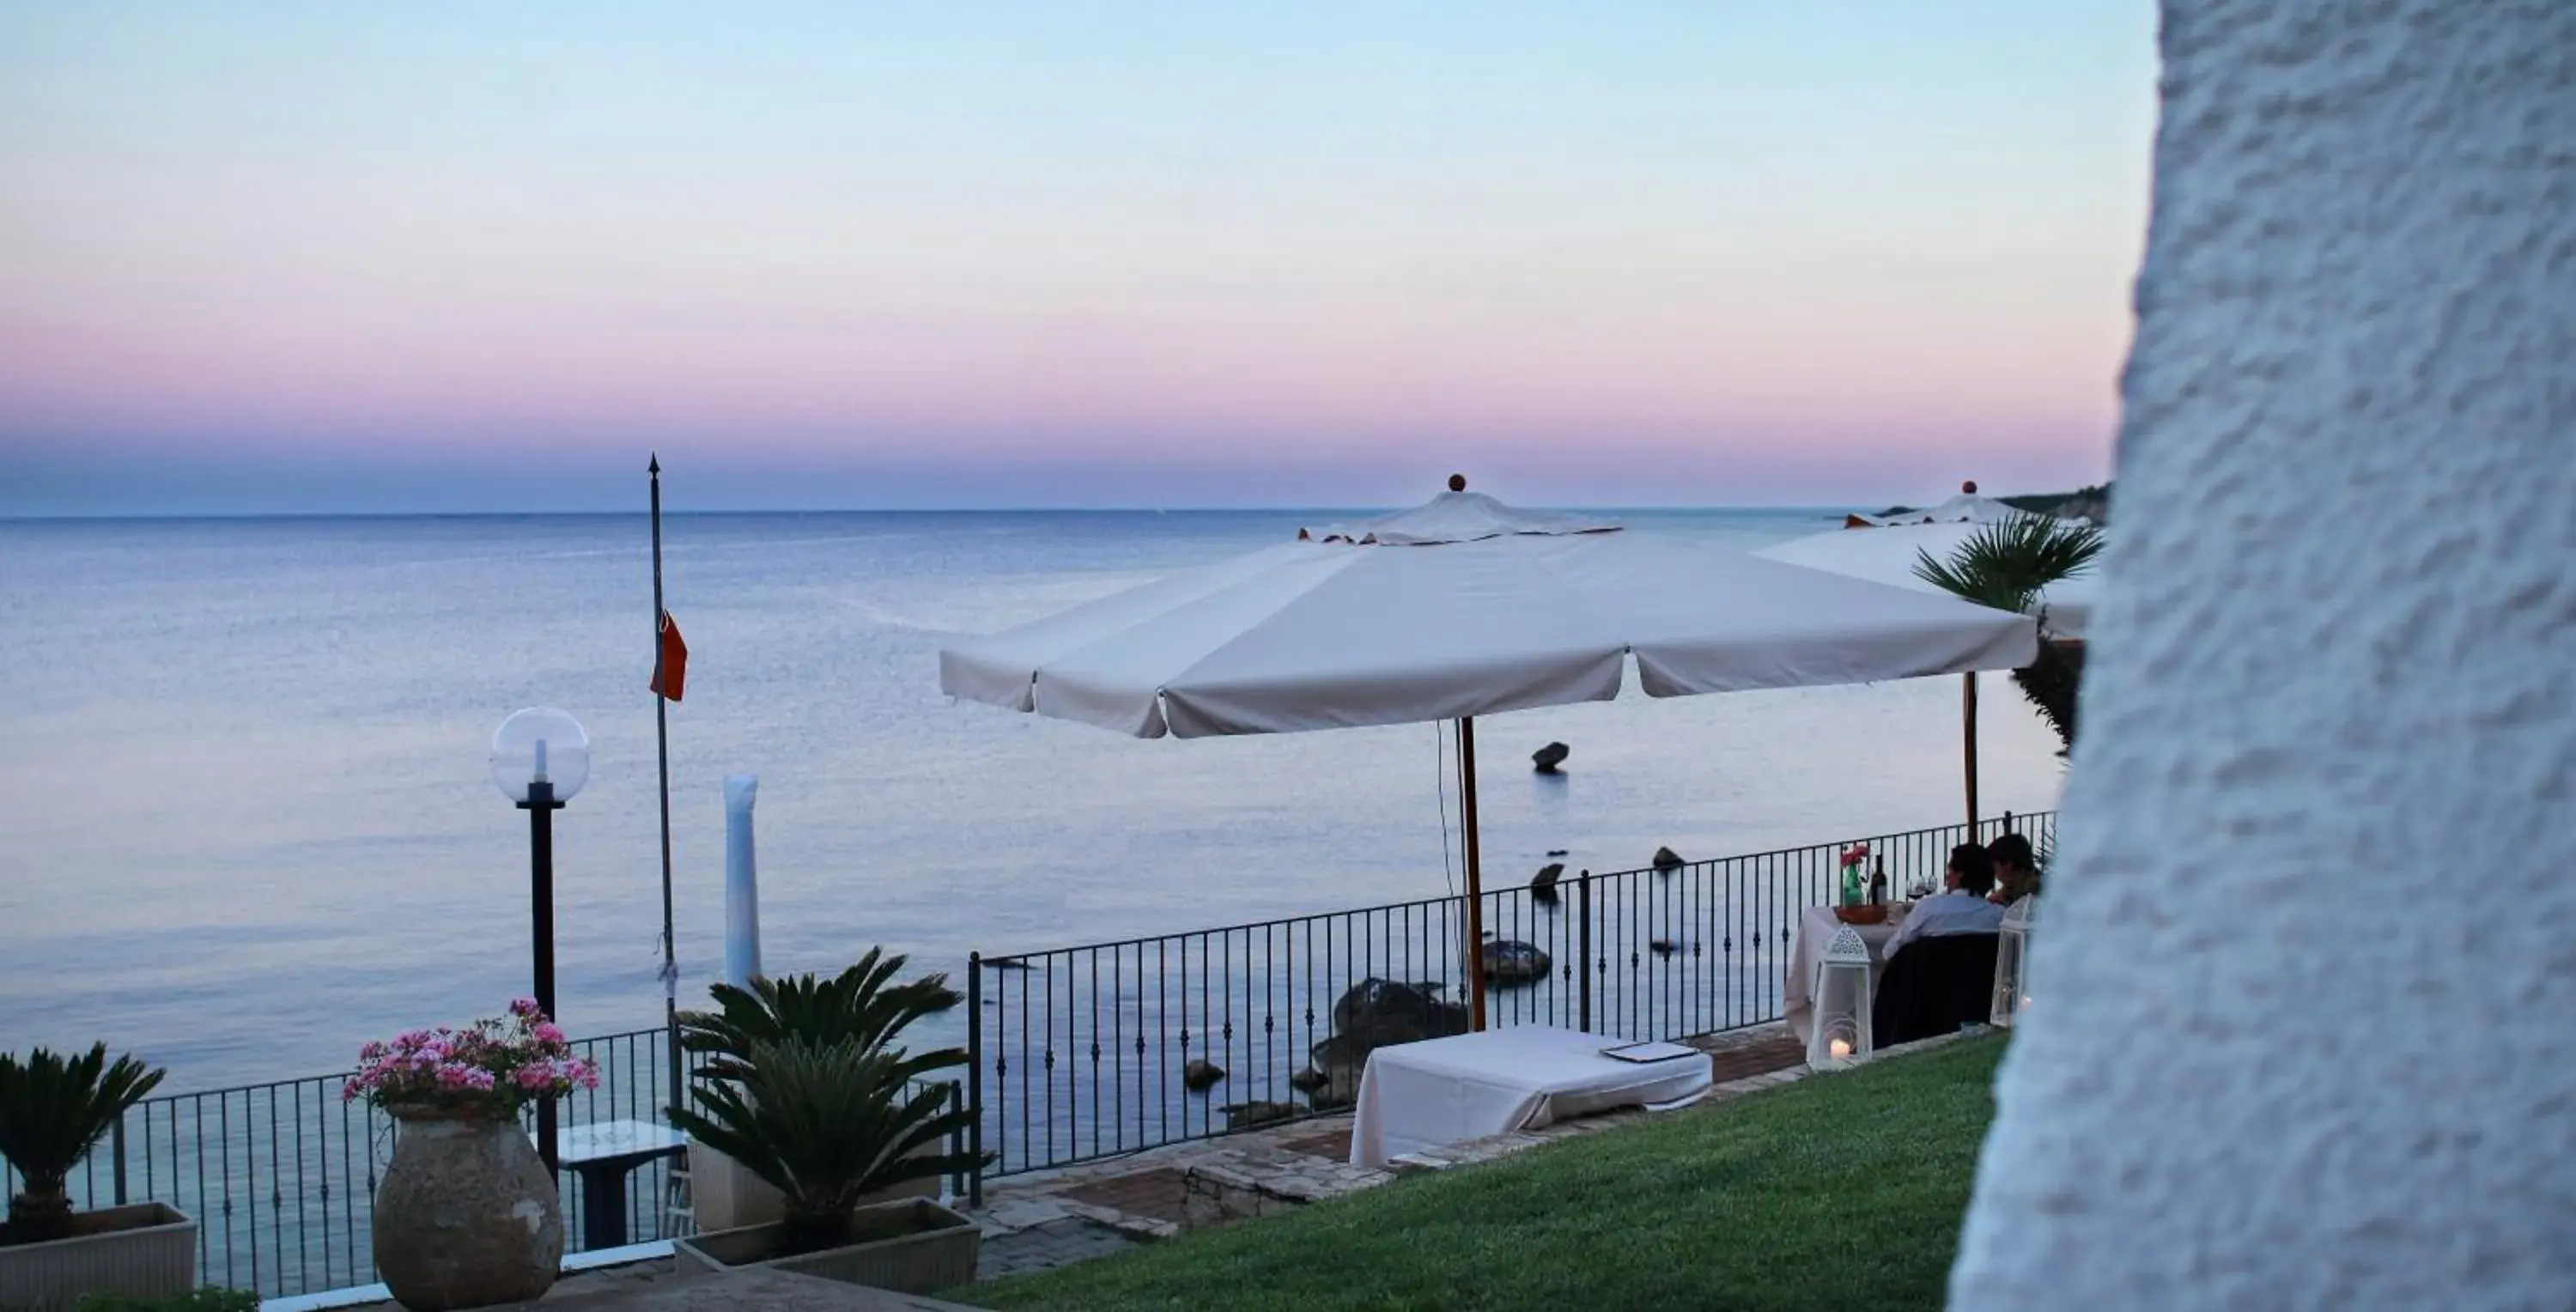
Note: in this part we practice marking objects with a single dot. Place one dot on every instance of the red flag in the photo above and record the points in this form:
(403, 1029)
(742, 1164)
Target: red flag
(671, 663)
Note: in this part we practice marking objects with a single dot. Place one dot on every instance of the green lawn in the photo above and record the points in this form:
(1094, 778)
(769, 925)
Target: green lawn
(1843, 1192)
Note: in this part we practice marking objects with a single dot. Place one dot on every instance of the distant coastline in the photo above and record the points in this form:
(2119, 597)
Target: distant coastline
(2091, 504)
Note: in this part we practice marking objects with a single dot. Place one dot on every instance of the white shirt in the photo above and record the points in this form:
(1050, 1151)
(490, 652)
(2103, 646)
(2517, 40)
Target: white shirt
(1957, 911)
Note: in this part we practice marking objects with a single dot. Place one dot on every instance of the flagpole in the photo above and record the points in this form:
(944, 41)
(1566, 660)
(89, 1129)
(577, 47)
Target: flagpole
(662, 753)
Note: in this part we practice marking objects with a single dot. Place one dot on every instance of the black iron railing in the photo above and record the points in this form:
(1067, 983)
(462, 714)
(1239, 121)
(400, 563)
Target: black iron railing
(1087, 1052)
(1076, 1053)
(281, 1177)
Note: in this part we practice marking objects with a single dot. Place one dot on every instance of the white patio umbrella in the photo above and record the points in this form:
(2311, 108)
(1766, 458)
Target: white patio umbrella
(1885, 550)
(1459, 608)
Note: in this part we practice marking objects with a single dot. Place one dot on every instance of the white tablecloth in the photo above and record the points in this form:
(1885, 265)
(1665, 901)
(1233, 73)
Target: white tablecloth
(1816, 926)
(1442, 1091)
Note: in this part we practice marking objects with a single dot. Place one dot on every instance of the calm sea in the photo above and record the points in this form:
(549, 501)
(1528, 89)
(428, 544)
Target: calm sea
(245, 823)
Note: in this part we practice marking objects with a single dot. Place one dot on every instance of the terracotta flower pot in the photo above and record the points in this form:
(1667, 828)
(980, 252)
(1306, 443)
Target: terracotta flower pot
(466, 1215)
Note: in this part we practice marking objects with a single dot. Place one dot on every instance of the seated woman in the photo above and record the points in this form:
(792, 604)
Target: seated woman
(2016, 870)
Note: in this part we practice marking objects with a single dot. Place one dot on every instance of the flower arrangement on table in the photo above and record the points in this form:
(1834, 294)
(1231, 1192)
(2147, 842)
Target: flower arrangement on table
(489, 1069)
(1855, 906)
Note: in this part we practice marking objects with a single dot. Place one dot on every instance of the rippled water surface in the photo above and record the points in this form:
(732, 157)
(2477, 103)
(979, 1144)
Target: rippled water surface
(244, 821)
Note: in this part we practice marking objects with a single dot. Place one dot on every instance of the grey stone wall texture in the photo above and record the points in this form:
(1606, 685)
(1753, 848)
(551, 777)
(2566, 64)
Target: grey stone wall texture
(2304, 1021)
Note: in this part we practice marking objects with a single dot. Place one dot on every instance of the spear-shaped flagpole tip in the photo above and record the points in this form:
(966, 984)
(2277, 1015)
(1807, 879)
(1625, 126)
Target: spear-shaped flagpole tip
(654, 466)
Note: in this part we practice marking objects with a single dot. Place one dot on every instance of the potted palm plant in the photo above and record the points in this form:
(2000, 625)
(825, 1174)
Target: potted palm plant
(863, 1002)
(807, 1091)
(53, 1110)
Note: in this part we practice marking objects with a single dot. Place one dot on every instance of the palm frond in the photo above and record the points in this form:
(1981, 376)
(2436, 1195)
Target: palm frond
(2007, 564)
(861, 1003)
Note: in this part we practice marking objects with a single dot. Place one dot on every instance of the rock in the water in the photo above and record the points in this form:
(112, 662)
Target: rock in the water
(1551, 756)
(1543, 884)
(1200, 1075)
(1370, 1015)
(1510, 961)
(1245, 1115)
(1558, 851)
(1663, 947)
(1668, 859)
(1006, 963)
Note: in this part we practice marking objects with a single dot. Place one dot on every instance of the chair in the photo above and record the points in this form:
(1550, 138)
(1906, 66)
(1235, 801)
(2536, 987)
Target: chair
(1934, 985)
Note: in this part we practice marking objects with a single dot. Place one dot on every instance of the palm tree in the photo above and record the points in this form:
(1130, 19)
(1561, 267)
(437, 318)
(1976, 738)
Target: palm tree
(53, 1110)
(2006, 565)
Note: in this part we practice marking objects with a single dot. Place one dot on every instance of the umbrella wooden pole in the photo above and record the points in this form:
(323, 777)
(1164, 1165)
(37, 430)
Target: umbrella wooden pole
(1475, 874)
(1968, 722)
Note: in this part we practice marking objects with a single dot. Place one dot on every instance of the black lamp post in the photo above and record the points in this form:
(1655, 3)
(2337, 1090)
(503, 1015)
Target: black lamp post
(540, 758)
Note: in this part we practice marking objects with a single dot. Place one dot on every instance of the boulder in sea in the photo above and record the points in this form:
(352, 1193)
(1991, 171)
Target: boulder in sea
(1370, 1015)
(1510, 961)
(1005, 963)
(1200, 1075)
(1668, 859)
(1663, 947)
(1558, 851)
(1543, 884)
(1245, 1115)
(1551, 756)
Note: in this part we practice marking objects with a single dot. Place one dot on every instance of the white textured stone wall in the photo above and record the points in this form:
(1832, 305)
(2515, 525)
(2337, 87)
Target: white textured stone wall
(2304, 1029)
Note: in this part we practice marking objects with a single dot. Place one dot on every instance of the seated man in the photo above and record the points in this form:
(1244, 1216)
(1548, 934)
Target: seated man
(2016, 870)
(1961, 908)
(1940, 965)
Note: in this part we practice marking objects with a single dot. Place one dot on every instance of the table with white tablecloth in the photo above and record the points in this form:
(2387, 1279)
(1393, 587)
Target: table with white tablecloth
(1442, 1091)
(1816, 927)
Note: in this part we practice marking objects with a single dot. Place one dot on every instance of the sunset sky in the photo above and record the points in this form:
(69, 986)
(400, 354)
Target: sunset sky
(345, 256)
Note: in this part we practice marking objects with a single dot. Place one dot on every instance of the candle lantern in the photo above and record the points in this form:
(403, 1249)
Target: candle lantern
(2012, 961)
(1842, 1002)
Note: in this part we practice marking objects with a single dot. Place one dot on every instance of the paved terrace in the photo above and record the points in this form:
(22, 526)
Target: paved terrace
(1044, 1220)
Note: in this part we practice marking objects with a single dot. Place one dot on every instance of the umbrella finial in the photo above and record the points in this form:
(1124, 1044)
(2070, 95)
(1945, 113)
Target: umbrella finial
(1969, 487)
(1457, 482)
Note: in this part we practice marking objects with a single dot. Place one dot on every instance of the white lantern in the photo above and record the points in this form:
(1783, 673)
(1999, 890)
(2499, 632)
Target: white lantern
(2012, 960)
(1842, 1001)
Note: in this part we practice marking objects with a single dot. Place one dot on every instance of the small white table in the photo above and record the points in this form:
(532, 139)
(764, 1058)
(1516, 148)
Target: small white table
(1816, 927)
(602, 1153)
(1442, 1091)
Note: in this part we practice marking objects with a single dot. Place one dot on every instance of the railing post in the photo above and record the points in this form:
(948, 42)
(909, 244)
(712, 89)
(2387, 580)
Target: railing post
(117, 1142)
(956, 1139)
(1583, 943)
(975, 1075)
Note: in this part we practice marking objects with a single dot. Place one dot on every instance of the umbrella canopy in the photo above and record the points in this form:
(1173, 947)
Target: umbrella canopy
(1459, 608)
(1887, 555)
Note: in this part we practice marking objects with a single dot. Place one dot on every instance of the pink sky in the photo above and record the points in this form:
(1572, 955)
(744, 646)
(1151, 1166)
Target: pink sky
(1737, 258)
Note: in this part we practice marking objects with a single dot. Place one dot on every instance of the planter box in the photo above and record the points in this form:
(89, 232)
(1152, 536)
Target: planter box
(725, 1195)
(146, 1249)
(936, 1250)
